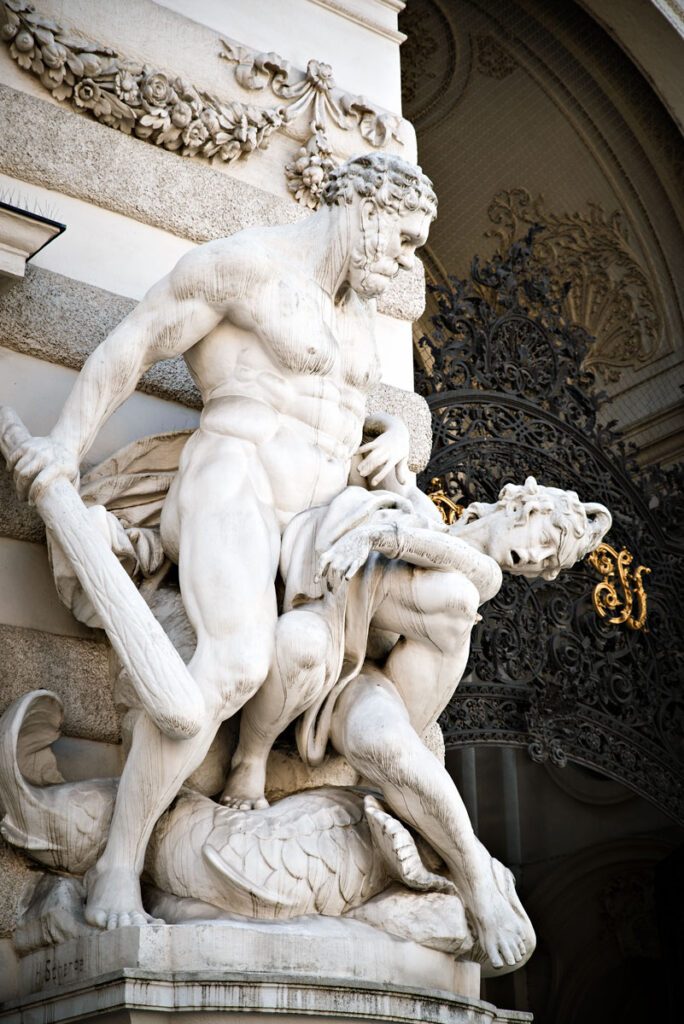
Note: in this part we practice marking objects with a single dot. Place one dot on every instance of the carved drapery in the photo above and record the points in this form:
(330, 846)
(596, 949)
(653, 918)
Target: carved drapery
(506, 378)
(592, 260)
(170, 112)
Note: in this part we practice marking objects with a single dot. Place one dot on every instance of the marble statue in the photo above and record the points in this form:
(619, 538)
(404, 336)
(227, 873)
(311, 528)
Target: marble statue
(361, 647)
(371, 562)
(276, 326)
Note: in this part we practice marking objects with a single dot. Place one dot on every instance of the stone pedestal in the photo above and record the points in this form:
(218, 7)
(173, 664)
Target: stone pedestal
(310, 969)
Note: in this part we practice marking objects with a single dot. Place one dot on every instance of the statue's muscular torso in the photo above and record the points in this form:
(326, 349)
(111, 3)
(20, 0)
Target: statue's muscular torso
(286, 372)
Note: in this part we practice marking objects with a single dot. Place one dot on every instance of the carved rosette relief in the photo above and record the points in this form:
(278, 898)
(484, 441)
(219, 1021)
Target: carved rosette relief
(492, 58)
(170, 112)
(593, 265)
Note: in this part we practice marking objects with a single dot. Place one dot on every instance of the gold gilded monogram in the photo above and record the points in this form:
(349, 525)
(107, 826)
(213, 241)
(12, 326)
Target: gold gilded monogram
(620, 596)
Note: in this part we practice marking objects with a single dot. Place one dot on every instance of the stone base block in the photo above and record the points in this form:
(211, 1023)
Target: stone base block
(309, 969)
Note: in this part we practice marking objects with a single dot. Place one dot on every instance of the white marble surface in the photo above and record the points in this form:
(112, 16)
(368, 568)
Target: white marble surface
(343, 34)
(251, 973)
(309, 947)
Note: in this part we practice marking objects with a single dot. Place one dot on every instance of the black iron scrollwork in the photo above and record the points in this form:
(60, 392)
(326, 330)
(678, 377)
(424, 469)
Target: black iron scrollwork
(504, 375)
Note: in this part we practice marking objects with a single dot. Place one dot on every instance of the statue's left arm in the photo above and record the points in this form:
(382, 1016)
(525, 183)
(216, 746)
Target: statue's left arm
(174, 315)
(418, 545)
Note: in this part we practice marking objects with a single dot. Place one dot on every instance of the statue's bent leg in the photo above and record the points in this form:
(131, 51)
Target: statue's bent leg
(228, 555)
(434, 613)
(301, 665)
(371, 728)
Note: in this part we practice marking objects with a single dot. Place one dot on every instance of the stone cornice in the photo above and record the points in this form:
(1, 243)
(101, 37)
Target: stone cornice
(359, 19)
(85, 315)
(59, 150)
(78, 672)
(23, 234)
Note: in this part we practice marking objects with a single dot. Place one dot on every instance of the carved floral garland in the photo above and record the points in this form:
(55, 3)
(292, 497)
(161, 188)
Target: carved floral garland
(311, 97)
(168, 111)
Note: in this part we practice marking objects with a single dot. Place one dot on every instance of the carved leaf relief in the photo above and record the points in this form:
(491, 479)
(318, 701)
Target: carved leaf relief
(312, 102)
(592, 262)
(133, 98)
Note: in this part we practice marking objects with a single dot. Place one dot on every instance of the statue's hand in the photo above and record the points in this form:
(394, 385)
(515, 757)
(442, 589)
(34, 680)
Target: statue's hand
(38, 462)
(344, 558)
(386, 452)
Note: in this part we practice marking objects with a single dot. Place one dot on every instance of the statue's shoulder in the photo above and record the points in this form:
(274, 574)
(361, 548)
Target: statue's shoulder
(261, 247)
(243, 255)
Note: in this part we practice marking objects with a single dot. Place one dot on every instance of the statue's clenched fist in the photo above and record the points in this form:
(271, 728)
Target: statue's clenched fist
(38, 462)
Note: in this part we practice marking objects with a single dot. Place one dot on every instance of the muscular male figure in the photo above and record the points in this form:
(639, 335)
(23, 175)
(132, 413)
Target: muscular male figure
(277, 328)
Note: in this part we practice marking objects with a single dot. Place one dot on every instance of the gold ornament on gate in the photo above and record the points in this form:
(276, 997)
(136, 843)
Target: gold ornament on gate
(620, 596)
(448, 508)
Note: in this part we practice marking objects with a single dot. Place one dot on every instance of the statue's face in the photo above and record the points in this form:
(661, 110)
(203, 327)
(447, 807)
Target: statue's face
(523, 548)
(384, 242)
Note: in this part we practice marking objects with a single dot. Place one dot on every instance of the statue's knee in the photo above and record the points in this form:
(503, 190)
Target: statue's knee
(450, 593)
(381, 741)
(302, 642)
(249, 674)
(382, 760)
(231, 672)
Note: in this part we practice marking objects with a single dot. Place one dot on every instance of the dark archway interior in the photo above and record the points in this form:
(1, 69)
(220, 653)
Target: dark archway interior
(531, 113)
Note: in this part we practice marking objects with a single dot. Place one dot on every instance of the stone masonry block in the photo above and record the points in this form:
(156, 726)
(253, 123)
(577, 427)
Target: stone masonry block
(76, 669)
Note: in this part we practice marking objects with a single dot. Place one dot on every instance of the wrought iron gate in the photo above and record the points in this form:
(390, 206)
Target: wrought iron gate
(502, 371)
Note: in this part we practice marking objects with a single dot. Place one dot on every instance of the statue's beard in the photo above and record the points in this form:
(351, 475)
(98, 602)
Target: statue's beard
(372, 269)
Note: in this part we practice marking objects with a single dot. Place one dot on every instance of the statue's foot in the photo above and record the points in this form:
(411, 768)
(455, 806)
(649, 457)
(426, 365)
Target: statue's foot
(503, 930)
(505, 881)
(245, 786)
(501, 935)
(113, 899)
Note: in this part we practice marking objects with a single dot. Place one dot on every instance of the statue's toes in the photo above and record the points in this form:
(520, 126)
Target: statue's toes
(244, 803)
(97, 918)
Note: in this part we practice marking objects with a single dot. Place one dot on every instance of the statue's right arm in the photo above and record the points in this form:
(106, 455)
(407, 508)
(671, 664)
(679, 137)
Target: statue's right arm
(172, 317)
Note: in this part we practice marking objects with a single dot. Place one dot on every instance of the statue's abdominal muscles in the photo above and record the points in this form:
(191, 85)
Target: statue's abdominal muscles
(305, 420)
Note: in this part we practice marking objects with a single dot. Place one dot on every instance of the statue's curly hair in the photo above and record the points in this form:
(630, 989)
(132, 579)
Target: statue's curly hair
(395, 184)
(582, 525)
